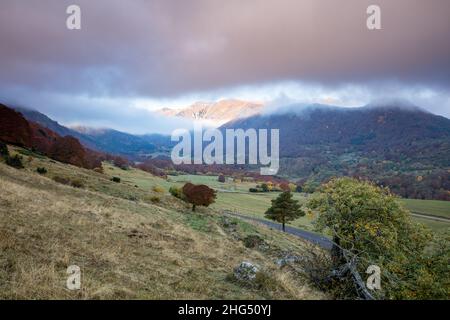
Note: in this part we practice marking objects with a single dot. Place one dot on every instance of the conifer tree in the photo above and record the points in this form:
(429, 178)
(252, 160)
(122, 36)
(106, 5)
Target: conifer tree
(284, 209)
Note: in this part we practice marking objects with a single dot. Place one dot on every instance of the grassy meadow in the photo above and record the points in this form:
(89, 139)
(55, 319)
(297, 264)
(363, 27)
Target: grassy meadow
(236, 197)
(428, 207)
(128, 245)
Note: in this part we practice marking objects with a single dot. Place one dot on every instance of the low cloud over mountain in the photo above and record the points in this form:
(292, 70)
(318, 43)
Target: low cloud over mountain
(171, 53)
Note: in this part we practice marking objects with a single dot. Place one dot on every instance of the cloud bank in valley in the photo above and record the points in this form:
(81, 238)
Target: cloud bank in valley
(158, 52)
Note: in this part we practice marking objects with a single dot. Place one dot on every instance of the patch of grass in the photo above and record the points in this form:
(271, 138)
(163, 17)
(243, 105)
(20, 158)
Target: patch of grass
(264, 281)
(30, 153)
(436, 226)
(76, 183)
(428, 207)
(198, 222)
(61, 180)
(245, 227)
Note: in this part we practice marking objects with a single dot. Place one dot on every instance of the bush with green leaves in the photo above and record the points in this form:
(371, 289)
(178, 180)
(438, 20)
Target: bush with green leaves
(61, 180)
(14, 161)
(41, 170)
(3, 150)
(77, 183)
(115, 179)
(370, 227)
(158, 189)
(176, 192)
(155, 199)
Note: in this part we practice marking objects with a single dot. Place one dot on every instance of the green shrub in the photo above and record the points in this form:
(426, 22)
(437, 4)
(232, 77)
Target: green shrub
(253, 190)
(155, 199)
(3, 150)
(264, 281)
(77, 184)
(132, 198)
(369, 223)
(15, 162)
(61, 180)
(41, 170)
(98, 169)
(115, 179)
(176, 192)
(158, 189)
(253, 241)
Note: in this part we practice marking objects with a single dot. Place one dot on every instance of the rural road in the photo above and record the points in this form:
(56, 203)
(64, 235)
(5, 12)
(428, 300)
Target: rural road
(306, 235)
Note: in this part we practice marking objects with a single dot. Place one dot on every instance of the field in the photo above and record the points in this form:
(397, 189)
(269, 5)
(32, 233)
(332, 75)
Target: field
(127, 245)
(235, 197)
(255, 204)
(428, 207)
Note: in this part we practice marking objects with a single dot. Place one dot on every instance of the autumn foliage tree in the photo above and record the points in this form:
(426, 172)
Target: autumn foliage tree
(284, 187)
(14, 128)
(198, 195)
(284, 209)
(120, 162)
(68, 150)
(370, 227)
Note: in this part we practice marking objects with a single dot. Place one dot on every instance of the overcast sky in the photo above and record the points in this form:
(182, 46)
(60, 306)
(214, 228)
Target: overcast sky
(132, 57)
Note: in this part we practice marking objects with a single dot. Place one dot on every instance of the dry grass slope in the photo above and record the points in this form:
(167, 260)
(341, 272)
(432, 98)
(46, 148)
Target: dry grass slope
(127, 249)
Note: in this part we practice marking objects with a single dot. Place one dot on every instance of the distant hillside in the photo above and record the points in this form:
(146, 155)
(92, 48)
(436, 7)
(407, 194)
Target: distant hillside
(407, 149)
(45, 121)
(18, 131)
(217, 112)
(104, 140)
(117, 142)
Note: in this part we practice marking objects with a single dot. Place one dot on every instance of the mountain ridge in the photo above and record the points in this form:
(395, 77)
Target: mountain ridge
(103, 140)
(405, 149)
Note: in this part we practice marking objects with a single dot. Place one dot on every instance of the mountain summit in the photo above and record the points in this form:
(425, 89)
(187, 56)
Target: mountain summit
(217, 113)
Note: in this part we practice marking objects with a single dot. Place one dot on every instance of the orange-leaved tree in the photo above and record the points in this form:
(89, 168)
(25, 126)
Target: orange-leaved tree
(198, 195)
